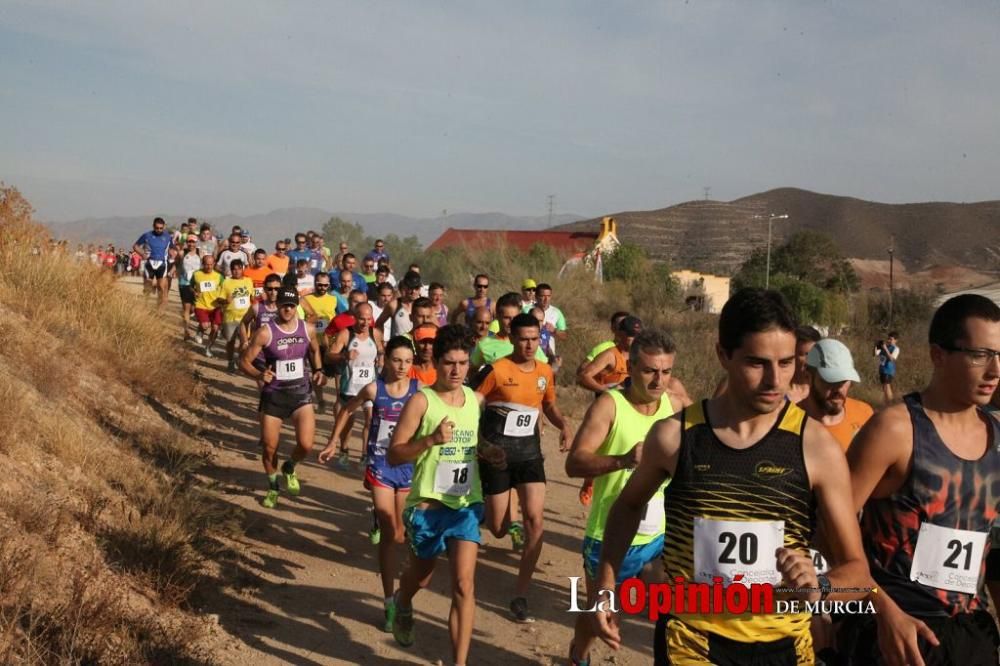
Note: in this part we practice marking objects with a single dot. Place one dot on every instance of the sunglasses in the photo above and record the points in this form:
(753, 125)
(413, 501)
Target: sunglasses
(280, 249)
(272, 288)
(528, 289)
(322, 285)
(482, 286)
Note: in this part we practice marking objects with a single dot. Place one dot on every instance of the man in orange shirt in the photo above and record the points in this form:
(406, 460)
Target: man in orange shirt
(423, 364)
(278, 262)
(258, 272)
(831, 371)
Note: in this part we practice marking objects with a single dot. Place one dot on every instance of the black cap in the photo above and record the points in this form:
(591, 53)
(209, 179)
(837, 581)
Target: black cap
(630, 325)
(288, 295)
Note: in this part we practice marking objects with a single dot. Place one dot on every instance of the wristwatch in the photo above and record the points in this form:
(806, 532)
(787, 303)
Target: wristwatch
(824, 586)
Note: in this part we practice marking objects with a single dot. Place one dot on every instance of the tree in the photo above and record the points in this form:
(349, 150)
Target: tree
(337, 231)
(628, 263)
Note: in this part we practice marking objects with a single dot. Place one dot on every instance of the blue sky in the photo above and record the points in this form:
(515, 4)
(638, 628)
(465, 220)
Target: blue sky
(133, 108)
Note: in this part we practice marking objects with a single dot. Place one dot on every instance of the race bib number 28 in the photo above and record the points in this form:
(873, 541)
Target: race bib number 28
(727, 548)
(948, 559)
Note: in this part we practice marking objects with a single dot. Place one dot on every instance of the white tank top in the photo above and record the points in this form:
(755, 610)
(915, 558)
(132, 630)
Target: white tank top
(401, 323)
(361, 371)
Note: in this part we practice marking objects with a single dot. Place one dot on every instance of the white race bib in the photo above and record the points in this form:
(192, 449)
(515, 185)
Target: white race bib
(360, 377)
(453, 478)
(241, 302)
(520, 424)
(289, 370)
(384, 436)
(258, 291)
(321, 325)
(822, 566)
(652, 516)
(154, 264)
(314, 264)
(206, 286)
(948, 559)
(729, 547)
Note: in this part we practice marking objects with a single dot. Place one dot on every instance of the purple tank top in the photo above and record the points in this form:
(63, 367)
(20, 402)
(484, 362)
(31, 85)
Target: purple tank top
(264, 315)
(287, 355)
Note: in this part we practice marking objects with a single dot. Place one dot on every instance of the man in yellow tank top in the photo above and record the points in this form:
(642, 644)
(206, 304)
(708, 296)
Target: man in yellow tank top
(751, 468)
(320, 308)
(438, 431)
(607, 447)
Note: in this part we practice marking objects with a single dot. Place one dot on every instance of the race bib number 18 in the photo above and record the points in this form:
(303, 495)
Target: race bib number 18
(948, 559)
(453, 478)
(729, 547)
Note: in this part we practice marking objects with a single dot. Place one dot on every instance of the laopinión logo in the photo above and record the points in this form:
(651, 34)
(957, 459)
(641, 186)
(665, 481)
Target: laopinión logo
(636, 597)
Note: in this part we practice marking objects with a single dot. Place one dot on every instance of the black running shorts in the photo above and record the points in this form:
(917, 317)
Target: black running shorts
(282, 404)
(969, 639)
(496, 481)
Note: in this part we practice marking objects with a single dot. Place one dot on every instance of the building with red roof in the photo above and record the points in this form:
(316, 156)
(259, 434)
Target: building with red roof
(566, 243)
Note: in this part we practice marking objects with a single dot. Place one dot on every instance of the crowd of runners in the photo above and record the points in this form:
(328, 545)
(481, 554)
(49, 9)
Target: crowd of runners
(765, 480)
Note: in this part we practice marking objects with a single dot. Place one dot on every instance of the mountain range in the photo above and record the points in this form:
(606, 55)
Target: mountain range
(285, 222)
(717, 236)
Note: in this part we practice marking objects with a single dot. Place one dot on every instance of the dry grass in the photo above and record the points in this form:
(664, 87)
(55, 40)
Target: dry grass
(588, 306)
(112, 531)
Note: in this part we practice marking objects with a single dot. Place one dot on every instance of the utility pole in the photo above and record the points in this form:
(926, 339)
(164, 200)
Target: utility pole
(892, 250)
(708, 191)
(552, 204)
(770, 219)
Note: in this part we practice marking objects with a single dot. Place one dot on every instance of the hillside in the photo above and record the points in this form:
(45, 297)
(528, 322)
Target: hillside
(717, 236)
(284, 222)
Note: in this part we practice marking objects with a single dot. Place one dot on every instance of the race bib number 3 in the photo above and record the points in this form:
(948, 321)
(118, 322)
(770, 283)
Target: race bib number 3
(520, 424)
(384, 436)
(289, 370)
(729, 547)
(948, 559)
(453, 478)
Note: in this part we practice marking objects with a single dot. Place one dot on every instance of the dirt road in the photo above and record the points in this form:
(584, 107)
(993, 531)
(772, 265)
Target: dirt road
(305, 589)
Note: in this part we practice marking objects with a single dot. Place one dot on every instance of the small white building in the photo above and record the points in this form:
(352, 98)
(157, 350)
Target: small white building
(703, 292)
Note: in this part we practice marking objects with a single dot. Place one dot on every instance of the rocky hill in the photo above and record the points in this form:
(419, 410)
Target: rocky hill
(717, 236)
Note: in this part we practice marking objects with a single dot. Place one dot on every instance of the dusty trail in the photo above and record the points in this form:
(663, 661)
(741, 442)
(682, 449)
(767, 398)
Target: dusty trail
(305, 588)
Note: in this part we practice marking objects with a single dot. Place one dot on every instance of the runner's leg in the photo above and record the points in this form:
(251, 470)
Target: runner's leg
(385, 511)
(462, 562)
(532, 497)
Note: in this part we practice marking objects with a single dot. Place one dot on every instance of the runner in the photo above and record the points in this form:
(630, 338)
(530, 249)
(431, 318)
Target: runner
(389, 484)
(247, 245)
(494, 347)
(555, 322)
(321, 255)
(207, 283)
(610, 367)
(925, 473)
(279, 261)
(304, 280)
(235, 298)
(528, 288)
(515, 390)
(158, 245)
(606, 344)
(368, 271)
(479, 324)
(424, 367)
(343, 286)
(348, 263)
(383, 297)
(260, 313)
(398, 310)
(436, 294)
(231, 253)
(747, 467)
(438, 431)
(358, 352)
(207, 245)
(320, 308)
(805, 338)
(258, 272)
(378, 253)
(607, 448)
(480, 299)
(288, 345)
(301, 253)
(188, 261)
(887, 353)
(831, 375)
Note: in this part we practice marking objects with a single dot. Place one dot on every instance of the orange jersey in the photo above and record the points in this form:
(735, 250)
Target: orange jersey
(856, 414)
(514, 398)
(617, 374)
(427, 377)
(257, 275)
(278, 264)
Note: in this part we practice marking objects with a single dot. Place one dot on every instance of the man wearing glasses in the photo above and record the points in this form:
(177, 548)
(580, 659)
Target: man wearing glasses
(292, 365)
(481, 299)
(528, 295)
(378, 254)
(279, 261)
(926, 474)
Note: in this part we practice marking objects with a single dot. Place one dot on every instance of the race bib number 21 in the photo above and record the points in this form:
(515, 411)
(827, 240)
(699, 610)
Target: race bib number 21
(948, 559)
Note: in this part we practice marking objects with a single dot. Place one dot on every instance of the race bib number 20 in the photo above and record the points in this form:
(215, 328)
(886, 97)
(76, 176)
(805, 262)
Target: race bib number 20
(727, 548)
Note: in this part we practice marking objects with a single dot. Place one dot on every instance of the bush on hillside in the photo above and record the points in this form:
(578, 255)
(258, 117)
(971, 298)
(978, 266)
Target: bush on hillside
(402, 251)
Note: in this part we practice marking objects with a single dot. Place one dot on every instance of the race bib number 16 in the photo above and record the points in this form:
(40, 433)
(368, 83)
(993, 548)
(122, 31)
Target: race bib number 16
(729, 547)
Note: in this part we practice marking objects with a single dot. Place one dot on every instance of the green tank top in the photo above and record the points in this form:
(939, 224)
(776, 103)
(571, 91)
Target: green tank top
(628, 428)
(448, 473)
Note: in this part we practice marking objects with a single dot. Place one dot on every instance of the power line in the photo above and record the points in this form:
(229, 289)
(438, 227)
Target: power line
(552, 204)
(708, 191)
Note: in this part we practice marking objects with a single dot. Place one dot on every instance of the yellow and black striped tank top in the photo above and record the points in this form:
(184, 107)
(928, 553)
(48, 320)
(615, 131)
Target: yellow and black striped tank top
(714, 482)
